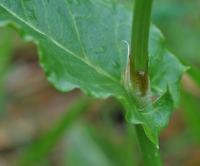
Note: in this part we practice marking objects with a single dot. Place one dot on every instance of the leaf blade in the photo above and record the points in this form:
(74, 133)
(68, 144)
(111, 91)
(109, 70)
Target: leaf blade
(81, 46)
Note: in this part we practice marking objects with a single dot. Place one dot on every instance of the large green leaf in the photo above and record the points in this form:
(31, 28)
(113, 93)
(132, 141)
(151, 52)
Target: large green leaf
(82, 44)
(79, 43)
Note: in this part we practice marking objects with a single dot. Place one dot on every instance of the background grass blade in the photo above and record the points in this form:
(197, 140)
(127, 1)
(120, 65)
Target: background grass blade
(6, 48)
(43, 146)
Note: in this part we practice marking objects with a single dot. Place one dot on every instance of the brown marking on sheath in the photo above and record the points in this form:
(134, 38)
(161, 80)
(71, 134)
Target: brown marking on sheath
(139, 80)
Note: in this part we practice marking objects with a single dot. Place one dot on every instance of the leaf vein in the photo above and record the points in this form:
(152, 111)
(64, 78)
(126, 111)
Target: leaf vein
(76, 29)
(96, 68)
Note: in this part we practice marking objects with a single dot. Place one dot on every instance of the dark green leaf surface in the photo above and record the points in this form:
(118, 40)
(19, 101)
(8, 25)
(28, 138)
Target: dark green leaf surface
(82, 44)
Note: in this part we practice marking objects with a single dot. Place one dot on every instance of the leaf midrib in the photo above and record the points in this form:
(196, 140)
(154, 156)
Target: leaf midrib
(97, 69)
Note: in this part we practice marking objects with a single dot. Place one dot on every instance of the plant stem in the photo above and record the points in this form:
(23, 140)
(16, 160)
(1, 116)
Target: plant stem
(150, 152)
(139, 72)
(139, 45)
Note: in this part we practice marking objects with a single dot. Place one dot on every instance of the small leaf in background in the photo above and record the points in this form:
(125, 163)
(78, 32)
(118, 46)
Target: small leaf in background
(180, 22)
(194, 73)
(191, 112)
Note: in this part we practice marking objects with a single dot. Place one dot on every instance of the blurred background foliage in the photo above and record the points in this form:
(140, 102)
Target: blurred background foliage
(40, 126)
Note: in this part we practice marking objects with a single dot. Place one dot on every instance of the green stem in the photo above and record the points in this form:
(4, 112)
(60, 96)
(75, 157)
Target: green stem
(139, 72)
(139, 45)
(150, 152)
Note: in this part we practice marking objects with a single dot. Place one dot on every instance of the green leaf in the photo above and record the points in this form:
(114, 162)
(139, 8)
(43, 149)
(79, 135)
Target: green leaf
(76, 41)
(82, 44)
(166, 72)
(154, 117)
(157, 116)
